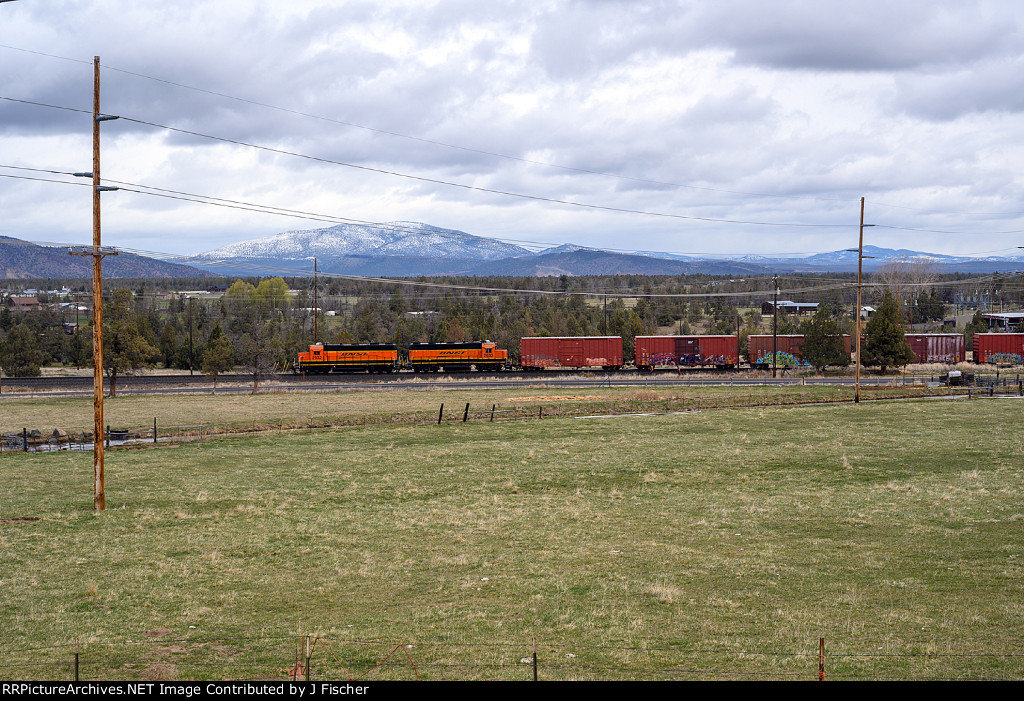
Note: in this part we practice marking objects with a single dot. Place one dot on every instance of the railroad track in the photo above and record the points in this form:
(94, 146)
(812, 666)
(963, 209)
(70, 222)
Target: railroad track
(233, 383)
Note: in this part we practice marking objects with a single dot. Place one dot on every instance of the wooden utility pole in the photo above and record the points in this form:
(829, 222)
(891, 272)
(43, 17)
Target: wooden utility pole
(99, 493)
(190, 361)
(316, 307)
(860, 270)
(775, 325)
(97, 253)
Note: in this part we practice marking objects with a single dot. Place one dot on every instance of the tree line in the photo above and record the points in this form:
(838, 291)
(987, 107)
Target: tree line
(260, 325)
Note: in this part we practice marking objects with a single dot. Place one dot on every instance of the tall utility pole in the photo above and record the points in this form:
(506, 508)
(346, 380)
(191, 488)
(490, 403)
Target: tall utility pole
(775, 325)
(97, 253)
(860, 269)
(190, 362)
(316, 308)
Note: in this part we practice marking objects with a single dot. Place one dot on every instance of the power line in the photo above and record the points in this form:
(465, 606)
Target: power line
(447, 183)
(537, 198)
(329, 218)
(659, 183)
(476, 188)
(939, 231)
(433, 142)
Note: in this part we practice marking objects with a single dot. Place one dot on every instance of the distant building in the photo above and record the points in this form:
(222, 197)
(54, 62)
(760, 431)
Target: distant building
(23, 304)
(787, 307)
(1005, 321)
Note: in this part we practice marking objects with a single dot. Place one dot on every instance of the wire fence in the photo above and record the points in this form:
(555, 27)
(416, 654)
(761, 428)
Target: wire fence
(281, 657)
(37, 441)
(645, 401)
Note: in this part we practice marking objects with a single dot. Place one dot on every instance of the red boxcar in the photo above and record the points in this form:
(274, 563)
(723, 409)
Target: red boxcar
(937, 347)
(759, 349)
(686, 351)
(574, 352)
(999, 348)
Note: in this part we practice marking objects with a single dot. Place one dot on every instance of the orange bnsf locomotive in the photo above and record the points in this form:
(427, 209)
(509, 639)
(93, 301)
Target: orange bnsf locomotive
(457, 357)
(383, 357)
(348, 357)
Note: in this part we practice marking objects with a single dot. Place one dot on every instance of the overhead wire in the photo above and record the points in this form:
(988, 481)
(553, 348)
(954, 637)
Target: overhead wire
(484, 152)
(433, 142)
(477, 188)
(437, 181)
(388, 226)
(505, 192)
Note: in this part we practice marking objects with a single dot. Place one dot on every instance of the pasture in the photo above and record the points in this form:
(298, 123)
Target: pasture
(720, 544)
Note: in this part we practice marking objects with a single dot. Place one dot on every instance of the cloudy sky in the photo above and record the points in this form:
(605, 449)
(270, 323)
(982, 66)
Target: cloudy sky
(725, 126)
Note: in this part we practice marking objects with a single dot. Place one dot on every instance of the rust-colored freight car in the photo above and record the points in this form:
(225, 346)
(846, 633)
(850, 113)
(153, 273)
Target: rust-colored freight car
(759, 349)
(686, 351)
(571, 352)
(788, 347)
(457, 357)
(937, 347)
(999, 348)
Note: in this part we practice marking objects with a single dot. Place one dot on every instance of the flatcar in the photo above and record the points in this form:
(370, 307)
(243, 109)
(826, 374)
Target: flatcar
(999, 348)
(538, 353)
(652, 352)
(937, 347)
(348, 357)
(483, 356)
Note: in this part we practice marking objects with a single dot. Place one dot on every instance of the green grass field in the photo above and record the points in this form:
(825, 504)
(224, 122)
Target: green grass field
(275, 410)
(714, 545)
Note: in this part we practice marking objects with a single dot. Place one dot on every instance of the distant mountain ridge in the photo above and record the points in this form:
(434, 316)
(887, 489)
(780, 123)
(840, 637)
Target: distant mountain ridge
(412, 249)
(400, 239)
(22, 260)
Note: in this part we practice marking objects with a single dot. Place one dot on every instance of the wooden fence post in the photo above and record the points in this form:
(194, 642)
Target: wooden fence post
(154, 429)
(492, 412)
(308, 655)
(440, 413)
(535, 659)
(465, 414)
(821, 659)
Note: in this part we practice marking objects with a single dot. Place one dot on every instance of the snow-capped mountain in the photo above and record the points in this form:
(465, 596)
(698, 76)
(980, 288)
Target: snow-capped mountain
(402, 239)
(874, 258)
(401, 249)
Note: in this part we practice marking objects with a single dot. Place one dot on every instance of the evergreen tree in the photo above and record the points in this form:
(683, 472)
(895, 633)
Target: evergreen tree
(168, 344)
(885, 345)
(256, 351)
(80, 347)
(21, 354)
(823, 341)
(125, 349)
(976, 325)
(218, 356)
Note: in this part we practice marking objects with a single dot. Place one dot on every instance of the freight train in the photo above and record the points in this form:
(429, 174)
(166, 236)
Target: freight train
(650, 353)
(383, 357)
